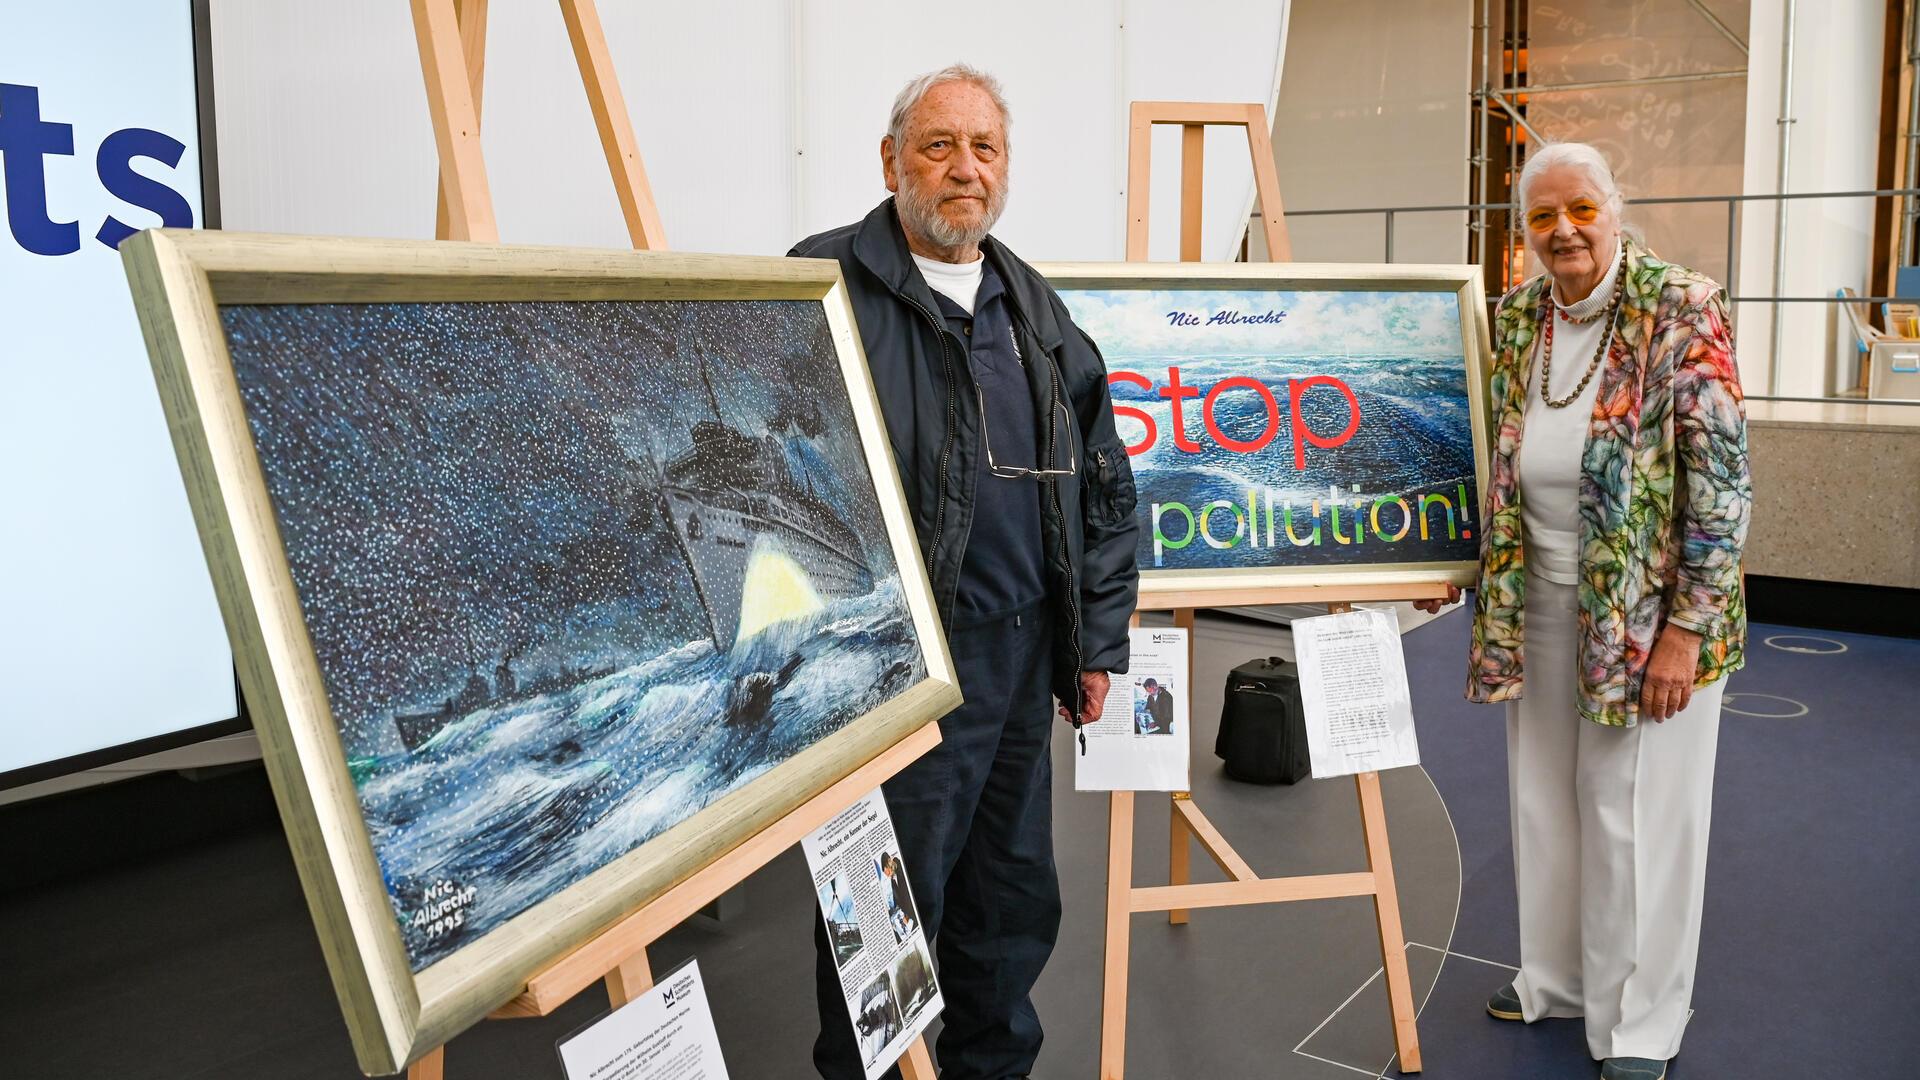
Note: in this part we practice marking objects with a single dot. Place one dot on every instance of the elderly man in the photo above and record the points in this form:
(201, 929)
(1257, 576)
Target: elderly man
(997, 409)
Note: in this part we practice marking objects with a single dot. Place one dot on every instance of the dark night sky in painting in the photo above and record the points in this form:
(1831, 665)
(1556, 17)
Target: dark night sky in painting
(458, 483)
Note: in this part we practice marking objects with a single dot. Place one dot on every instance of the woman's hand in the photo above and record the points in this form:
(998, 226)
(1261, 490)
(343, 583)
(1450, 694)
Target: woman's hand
(1668, 685)
(1432, 607)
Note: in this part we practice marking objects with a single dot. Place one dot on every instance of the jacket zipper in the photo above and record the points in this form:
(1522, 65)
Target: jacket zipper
(946, 445)
(1066, 553)
(1059, 510)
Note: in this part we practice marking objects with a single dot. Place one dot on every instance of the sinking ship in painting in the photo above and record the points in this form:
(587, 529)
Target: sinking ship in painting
(735, 510)
(761, 545)
(417, 728)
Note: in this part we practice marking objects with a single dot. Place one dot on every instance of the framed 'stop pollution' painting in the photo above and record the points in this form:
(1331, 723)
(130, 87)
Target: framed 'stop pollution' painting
(1294, 424)
(553, 576)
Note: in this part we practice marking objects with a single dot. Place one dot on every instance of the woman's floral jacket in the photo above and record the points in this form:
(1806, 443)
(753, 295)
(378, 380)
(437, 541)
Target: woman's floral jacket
(1664, 492)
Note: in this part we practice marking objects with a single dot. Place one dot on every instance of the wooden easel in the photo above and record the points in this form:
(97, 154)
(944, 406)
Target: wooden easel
(1176, 898)
(452, 35)
(453, 39)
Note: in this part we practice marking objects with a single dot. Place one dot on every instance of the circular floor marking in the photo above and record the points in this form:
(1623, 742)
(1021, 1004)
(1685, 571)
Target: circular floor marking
(1776, 640)
(1727, 704)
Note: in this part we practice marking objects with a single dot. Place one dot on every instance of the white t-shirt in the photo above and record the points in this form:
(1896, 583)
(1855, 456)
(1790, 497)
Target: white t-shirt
(958, 282)
(1552, 441)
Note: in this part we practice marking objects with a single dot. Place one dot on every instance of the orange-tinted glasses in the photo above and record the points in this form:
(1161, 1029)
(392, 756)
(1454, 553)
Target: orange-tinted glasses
(1581, 212)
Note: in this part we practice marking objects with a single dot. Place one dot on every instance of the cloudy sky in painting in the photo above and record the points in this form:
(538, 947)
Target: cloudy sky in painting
(1134, 322)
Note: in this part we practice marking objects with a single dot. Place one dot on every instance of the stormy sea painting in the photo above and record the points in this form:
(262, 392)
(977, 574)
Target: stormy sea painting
(572, 570)
(1290, 428)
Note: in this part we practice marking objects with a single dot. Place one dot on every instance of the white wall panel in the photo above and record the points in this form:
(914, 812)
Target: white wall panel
(322, 119)
(759, 120)
(1202, 50)
(1059, 71)
(1374, 112)
(707, 89)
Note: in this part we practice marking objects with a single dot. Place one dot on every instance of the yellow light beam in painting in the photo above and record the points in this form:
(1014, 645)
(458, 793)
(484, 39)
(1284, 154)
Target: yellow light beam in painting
(776, 590)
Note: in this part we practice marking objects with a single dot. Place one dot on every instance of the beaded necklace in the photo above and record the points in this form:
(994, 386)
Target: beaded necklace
(1599, 354)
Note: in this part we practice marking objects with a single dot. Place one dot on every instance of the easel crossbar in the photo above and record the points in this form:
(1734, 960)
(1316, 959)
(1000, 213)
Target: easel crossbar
(1257, 891)
(1170, 596)
(1214, 844)
(1225, 113)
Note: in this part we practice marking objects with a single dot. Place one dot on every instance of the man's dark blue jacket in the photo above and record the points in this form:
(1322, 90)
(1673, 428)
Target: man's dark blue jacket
(932, 414)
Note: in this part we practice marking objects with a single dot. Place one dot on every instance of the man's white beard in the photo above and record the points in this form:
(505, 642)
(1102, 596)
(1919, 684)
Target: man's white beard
(922, 215)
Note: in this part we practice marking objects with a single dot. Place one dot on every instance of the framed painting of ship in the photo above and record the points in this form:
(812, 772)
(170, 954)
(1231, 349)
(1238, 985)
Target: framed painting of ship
(553, 575)
(1293, 424)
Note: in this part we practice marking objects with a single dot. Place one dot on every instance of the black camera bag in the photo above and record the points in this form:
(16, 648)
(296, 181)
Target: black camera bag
(1263, 730)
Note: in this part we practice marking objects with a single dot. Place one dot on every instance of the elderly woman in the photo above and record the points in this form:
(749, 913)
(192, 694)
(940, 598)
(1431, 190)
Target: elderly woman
(1609, 596)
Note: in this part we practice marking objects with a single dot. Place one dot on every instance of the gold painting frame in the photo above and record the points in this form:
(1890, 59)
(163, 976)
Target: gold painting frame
(180, 279)
(1163, 587)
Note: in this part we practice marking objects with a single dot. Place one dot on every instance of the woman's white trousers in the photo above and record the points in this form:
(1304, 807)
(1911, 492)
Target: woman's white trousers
(1609, 848)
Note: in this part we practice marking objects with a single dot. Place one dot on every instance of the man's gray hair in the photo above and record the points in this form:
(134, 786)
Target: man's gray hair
(1577, 155)
(952, 73)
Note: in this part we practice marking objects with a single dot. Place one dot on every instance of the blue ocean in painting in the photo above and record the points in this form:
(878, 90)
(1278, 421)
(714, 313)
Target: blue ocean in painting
(518, 800)
(1379, 376)
(571, 571)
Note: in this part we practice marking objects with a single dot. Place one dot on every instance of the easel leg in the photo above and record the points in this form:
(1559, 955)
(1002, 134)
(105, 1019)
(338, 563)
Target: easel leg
(1180, 836)
(431, 1067)
(456, 122)
(1266, 181)
(917, 1063)
(616, 128)
(1113, 994)
(629, 980)
(1179, 856)
(1193, 149)
(1386, 909)
(472, 17)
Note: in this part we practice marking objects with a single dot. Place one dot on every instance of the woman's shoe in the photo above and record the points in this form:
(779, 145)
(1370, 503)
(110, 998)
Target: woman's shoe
(1505, 1005)
(1625, 1068)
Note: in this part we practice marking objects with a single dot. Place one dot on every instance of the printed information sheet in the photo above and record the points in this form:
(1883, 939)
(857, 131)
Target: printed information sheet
(1353, 688)
(1141, 741)
(664, 1034)
(886, 971)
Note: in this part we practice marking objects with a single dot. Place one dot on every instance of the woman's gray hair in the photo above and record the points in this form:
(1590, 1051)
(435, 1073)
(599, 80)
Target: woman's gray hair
(910, 96)
(1577, 155)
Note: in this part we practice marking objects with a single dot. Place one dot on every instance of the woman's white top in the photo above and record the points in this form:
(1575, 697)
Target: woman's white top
(1552, 441)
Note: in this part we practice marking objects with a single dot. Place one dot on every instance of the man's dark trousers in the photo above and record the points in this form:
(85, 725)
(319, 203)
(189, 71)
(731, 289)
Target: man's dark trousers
(975, 821)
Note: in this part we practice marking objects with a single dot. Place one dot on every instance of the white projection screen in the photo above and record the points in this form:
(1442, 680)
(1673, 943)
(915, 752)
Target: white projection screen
(111, 644)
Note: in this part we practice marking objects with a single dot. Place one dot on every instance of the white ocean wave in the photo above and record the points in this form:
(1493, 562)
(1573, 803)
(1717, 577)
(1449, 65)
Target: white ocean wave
(520, 799)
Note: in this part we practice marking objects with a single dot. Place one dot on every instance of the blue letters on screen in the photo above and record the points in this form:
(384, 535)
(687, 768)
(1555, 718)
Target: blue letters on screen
(25, 141)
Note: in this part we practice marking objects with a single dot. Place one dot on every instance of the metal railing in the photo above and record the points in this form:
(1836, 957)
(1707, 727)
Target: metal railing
(1390, 214)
